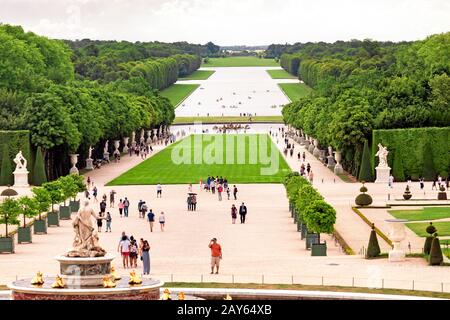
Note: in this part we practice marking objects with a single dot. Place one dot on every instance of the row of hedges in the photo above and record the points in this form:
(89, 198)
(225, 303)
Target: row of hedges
(290, 63)
(310, 206)
(49, 194)
(415, 152)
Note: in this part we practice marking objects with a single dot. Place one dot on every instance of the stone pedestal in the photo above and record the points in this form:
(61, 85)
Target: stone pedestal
(383, 174)
(106, 155)
(21, 178)
(125, 144)
(90, 164)
(83, 272)
(338, 167)
(331, 162)
(311, 147)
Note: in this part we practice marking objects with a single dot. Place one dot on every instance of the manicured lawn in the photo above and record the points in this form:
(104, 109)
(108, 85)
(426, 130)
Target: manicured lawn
(427, 213)
(240, 62)
(295, 90)
(269, 119)
(176, 165)
(443, 228)
(280, 74)
(198, 75)
(176, 93)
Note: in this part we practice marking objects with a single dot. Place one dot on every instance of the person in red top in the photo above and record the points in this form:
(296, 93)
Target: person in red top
(216, 254)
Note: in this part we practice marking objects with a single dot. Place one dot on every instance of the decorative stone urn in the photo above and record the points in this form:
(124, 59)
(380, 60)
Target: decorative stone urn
(125, 144)
(311, 145)
(116, 146)
(73, 161)
(331, 163)
(133, 139)
(316, 151)
(155, 133)
(338, 167)
(142, 139)
(149, 136)
(397, 234)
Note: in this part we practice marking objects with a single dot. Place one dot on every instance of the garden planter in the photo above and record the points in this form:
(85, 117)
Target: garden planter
(319, 249)
(311, 238)
(64, 212)
(7, 245)
(304, 231)
(53, 219)
(299, 226)
(40, 226)
(24, 235)
(74, 205)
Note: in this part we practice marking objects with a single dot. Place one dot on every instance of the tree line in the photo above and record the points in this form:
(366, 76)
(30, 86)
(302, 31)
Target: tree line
(360, 86)
(67, 107)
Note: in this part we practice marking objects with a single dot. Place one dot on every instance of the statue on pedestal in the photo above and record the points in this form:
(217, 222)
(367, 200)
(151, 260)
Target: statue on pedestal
(382, 154)
(90, 152)
(85, 243)
(21, 162)
(105, 149)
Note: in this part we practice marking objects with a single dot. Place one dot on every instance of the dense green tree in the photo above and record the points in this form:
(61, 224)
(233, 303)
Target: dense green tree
(6, 177)
(39, 175)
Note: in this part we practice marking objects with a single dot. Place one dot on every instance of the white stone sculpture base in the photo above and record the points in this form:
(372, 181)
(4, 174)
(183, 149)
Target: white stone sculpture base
(331, 162)
(396, 255)
(338, 169)
(125, 149)
(74, 170)
(383, 174)
(21, 178)
(316, 152)
(106, 155)
(89, 164)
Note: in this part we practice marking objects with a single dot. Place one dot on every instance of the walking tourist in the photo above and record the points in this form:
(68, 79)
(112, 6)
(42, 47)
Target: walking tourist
(100, 221)
(108, 222)
(112, 198)
(151, 219)
(235, 191)
(422, 183)
(162, 220)
(124, 249)
(304, 156)
(121, 206)
(216, 255)
(133, 252)
(228, 193)
(144, 209)
(158, 191)
(391, 181)
(189, 202)
(140, 203)
(103, 207)
(242, 212)
(126, 206)
(145, 257)
(233, 214)
(194, 202)
(219, 192)
(311, 176)
(94, 194)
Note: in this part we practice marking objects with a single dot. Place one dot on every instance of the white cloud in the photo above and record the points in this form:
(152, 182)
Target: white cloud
(230, 21)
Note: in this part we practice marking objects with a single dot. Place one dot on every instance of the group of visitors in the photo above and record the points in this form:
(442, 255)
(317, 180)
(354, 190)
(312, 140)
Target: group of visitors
(242, 213)
(142, 149)
(143, 208)
(130, 250)
(220, 185)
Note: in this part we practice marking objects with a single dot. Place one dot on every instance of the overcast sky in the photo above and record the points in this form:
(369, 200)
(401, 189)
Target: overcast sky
(230, 22)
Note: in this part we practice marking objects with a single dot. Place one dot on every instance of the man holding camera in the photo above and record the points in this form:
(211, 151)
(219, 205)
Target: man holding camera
(216, 255)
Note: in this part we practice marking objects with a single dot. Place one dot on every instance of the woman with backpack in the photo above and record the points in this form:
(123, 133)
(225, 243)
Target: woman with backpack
(133, 252)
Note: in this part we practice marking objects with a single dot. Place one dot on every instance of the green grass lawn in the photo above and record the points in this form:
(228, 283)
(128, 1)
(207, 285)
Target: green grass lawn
(427, 213)
(295, 90)
(176, 93)
(280, 74)
(241, 62)
(167, 167)
(269, 119)
(198, 75)
(443, 228)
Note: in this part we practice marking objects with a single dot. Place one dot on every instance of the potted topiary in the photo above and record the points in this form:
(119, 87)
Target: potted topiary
(9, 212)
(442, 195)
(407, 194)
(320, 217)
(80, 187)
(363, 199)
(306, 194)
(430, 230)
(68, 189)
(28, 209)
(373, 249)
(436, 258)
(43, 200)
(56, 196)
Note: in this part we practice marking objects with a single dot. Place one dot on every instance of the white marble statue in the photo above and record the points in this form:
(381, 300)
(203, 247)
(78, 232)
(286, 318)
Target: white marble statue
(105, 149)
(382, 156)
(85, 243)
(21, 162)
(90, 152)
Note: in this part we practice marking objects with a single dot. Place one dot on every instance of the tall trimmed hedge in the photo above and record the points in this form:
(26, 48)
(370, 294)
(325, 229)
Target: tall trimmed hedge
(13, 142)
(290, 63)
(411, 144)
(365, 171)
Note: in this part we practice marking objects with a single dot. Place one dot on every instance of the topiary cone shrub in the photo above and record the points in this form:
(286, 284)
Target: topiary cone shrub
(430, 230)
(363, 199)
(407, 194)
(435, 258)
(373, 249)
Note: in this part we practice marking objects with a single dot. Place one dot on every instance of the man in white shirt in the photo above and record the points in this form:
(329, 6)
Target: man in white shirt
(158, 191)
